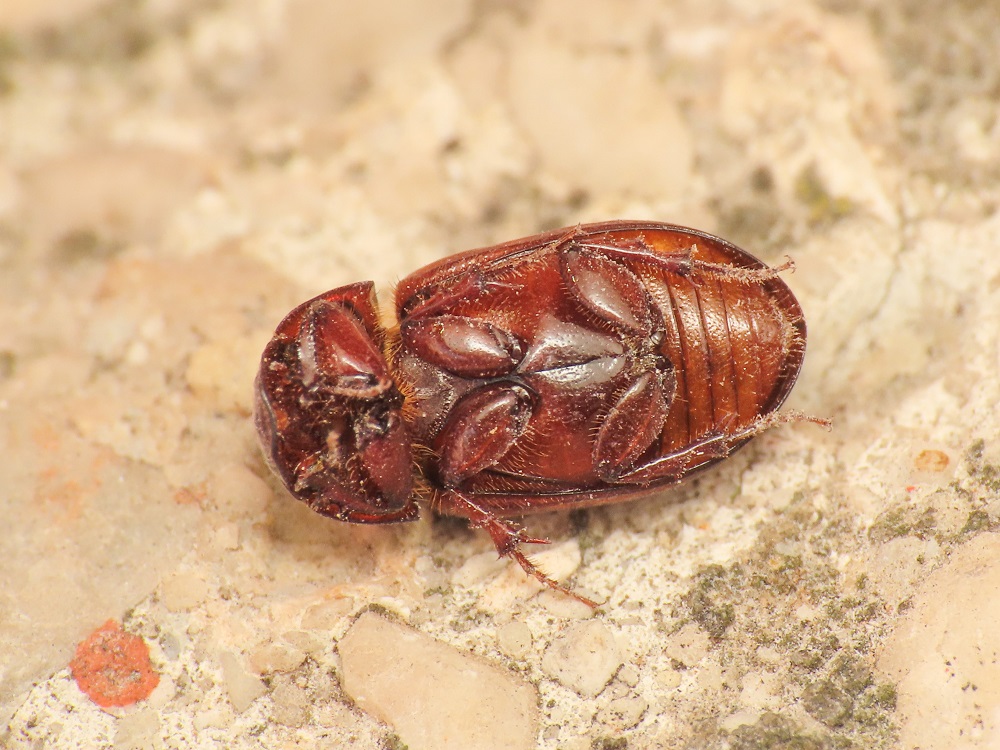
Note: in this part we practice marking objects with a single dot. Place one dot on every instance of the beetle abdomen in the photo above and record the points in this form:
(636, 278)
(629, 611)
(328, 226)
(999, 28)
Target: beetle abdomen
(736, 349)
(630, 343)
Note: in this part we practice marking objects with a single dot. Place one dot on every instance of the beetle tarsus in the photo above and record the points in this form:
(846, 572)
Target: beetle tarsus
(793, 415)
(741, 275)
(532, 570)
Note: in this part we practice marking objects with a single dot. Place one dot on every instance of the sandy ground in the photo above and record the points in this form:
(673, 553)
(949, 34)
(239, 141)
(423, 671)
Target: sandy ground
(176, 175)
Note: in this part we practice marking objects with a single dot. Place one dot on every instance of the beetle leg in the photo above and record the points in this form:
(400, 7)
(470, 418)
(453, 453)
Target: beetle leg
(735, 273)
(467, 347)
(717, 444)
(608, 290)
(481, 429)
(683, 262)
(507, 538)
(464, 287)
(633, 424)
(337, 354)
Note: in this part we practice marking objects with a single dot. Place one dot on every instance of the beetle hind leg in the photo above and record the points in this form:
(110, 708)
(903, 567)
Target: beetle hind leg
(683, 262)
(507, 537)
(718, 444)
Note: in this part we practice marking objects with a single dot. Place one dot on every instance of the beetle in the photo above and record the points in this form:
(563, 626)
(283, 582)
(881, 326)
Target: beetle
(574, 368)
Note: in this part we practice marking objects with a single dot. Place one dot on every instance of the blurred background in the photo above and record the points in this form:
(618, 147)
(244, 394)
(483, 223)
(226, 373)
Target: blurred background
(175, 175)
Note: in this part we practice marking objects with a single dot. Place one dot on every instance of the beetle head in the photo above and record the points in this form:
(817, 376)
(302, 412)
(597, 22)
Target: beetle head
(329, 415)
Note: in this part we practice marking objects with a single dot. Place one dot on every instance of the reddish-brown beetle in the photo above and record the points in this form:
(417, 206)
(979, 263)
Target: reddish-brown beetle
(574, 368)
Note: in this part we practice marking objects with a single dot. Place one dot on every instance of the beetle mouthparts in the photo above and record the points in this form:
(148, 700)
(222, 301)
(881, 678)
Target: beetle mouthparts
(328, 413)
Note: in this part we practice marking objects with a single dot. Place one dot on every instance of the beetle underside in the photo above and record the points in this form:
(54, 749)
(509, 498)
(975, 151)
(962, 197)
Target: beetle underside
(581, 367)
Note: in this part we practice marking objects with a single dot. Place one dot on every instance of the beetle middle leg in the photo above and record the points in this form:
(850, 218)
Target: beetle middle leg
(507, 537)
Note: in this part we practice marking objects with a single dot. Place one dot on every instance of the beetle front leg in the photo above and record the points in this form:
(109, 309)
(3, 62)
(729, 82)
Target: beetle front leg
(464, 287)
(463, 346)
(507, 537)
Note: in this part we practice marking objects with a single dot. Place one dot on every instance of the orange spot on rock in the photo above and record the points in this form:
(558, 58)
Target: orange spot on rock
(66, 494)
(193, 495)
(931, 460)
(46, 437)
(112, 667)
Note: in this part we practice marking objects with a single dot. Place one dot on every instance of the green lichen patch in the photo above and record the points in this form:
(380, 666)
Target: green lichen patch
(119, 32)
(708, 601)
(83, 245)
(884, 696)
(609, 743)
(983, 473)
(770, 732)
(903, 520)
(823, 206)
(392, 742)
(817, 650)
(845, 698)
(783, 608)
(978, 520)
(831, 699)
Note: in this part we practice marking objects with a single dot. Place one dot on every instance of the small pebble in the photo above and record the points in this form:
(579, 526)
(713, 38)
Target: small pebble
(688, 645)
(275, 657)
(623, 713)
(514, 639)
(938, 668)
(243, 687)
(629, 674)
(138, 729)
(584, 658)
(450, 699)
(291, 704)
(183, 591)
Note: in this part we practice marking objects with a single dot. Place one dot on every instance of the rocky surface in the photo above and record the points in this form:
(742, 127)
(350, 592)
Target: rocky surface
(176, 175)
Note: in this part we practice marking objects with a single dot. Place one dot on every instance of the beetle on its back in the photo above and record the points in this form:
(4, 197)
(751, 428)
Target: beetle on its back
(574, 368)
